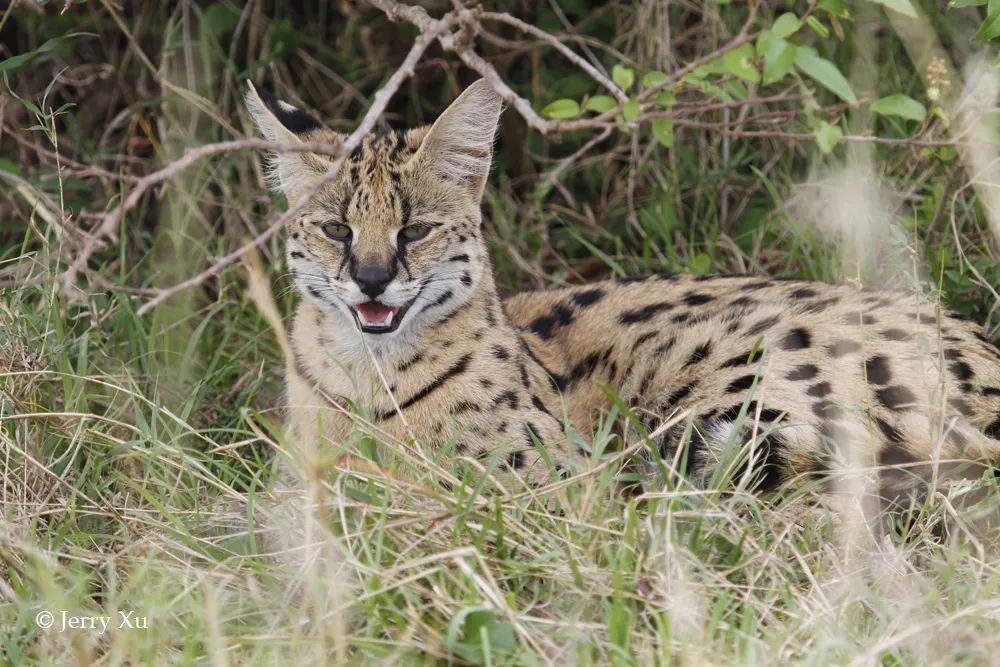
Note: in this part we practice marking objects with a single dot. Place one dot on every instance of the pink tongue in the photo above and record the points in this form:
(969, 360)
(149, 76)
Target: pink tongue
(373, 312)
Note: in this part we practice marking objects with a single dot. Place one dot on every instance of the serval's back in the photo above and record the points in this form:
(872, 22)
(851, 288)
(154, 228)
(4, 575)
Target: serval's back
(400, 320)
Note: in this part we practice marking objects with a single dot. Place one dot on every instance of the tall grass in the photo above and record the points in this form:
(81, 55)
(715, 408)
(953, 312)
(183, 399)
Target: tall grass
(140, 455)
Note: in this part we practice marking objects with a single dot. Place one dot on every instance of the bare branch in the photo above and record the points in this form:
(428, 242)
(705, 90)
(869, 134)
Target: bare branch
(561, 48)
(379, 103)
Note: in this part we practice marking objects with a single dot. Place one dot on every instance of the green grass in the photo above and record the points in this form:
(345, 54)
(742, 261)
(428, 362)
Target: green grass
(138, 454)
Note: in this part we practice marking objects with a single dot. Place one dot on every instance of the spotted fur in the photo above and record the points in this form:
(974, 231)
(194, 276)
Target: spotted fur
(798, 367)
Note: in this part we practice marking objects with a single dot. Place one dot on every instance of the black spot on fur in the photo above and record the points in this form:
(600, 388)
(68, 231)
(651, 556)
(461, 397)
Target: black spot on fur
(588, 297)
(761, 284)
(796, 339)
(894, 455)
(961, 406)
(678, 395)
(770, 415)
(680, 318)
(642, 339)
(526, 381)
(586, 366)
(896, 397)
(769, 463)
(457, 368)
(665, 346)
(697, 299)
(803, 293)
(993, 430)
(646, 379)
(700, 354)
(819, 390)
(763, 325)
(500, 352)
(462, 258)
(843, 347)
(509, 397)
(895, 334)
(803, 372)
(818, 306)
(991, 391)
(644, 313)
(531, 433)
(961, 370)
(625, 280)
(295, 254)
(889, 432)
(409, 363)
(927, 319)
(465, 406)
(443, 299)
(515, 460)
(743, 302)
(742, 359)
(740, 384)
(731, 413)
(467, 280)
(877, 370)
(544, 325)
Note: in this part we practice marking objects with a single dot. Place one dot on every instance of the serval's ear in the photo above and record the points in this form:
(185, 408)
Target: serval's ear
(459, 146)
(278, 120)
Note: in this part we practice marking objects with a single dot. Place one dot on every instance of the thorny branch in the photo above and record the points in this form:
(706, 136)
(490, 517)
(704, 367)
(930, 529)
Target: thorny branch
(456, 32)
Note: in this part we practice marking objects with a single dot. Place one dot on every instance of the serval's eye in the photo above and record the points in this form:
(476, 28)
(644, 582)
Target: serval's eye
(337, 232)
(414, 232)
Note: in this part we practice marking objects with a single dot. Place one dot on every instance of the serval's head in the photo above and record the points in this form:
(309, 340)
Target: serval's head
(393, 243)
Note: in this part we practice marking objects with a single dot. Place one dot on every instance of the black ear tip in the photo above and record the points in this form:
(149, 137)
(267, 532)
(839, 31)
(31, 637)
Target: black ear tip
(267, 96)
(296, 120)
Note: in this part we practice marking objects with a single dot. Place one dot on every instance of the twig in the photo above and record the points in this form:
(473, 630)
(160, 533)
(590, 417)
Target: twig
(108, 228)
(561, 48)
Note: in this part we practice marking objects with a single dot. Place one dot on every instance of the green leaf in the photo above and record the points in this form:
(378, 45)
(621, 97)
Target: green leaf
(601, 103)
(990, 29)
(779, 58)
(836, 7)
(958, 4)
(663, 131)
(700, 264)
(562, 109)
(817, 27)
(474, 633)
(823, 72)
(828, 136)
(15, 63)
(623, 77)
(651, 79)
(902, 6)
(740, 62)
(8, 166)
(786, 24)
(666, 98)
(219, 19)
(900, 105)
(631, 110)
